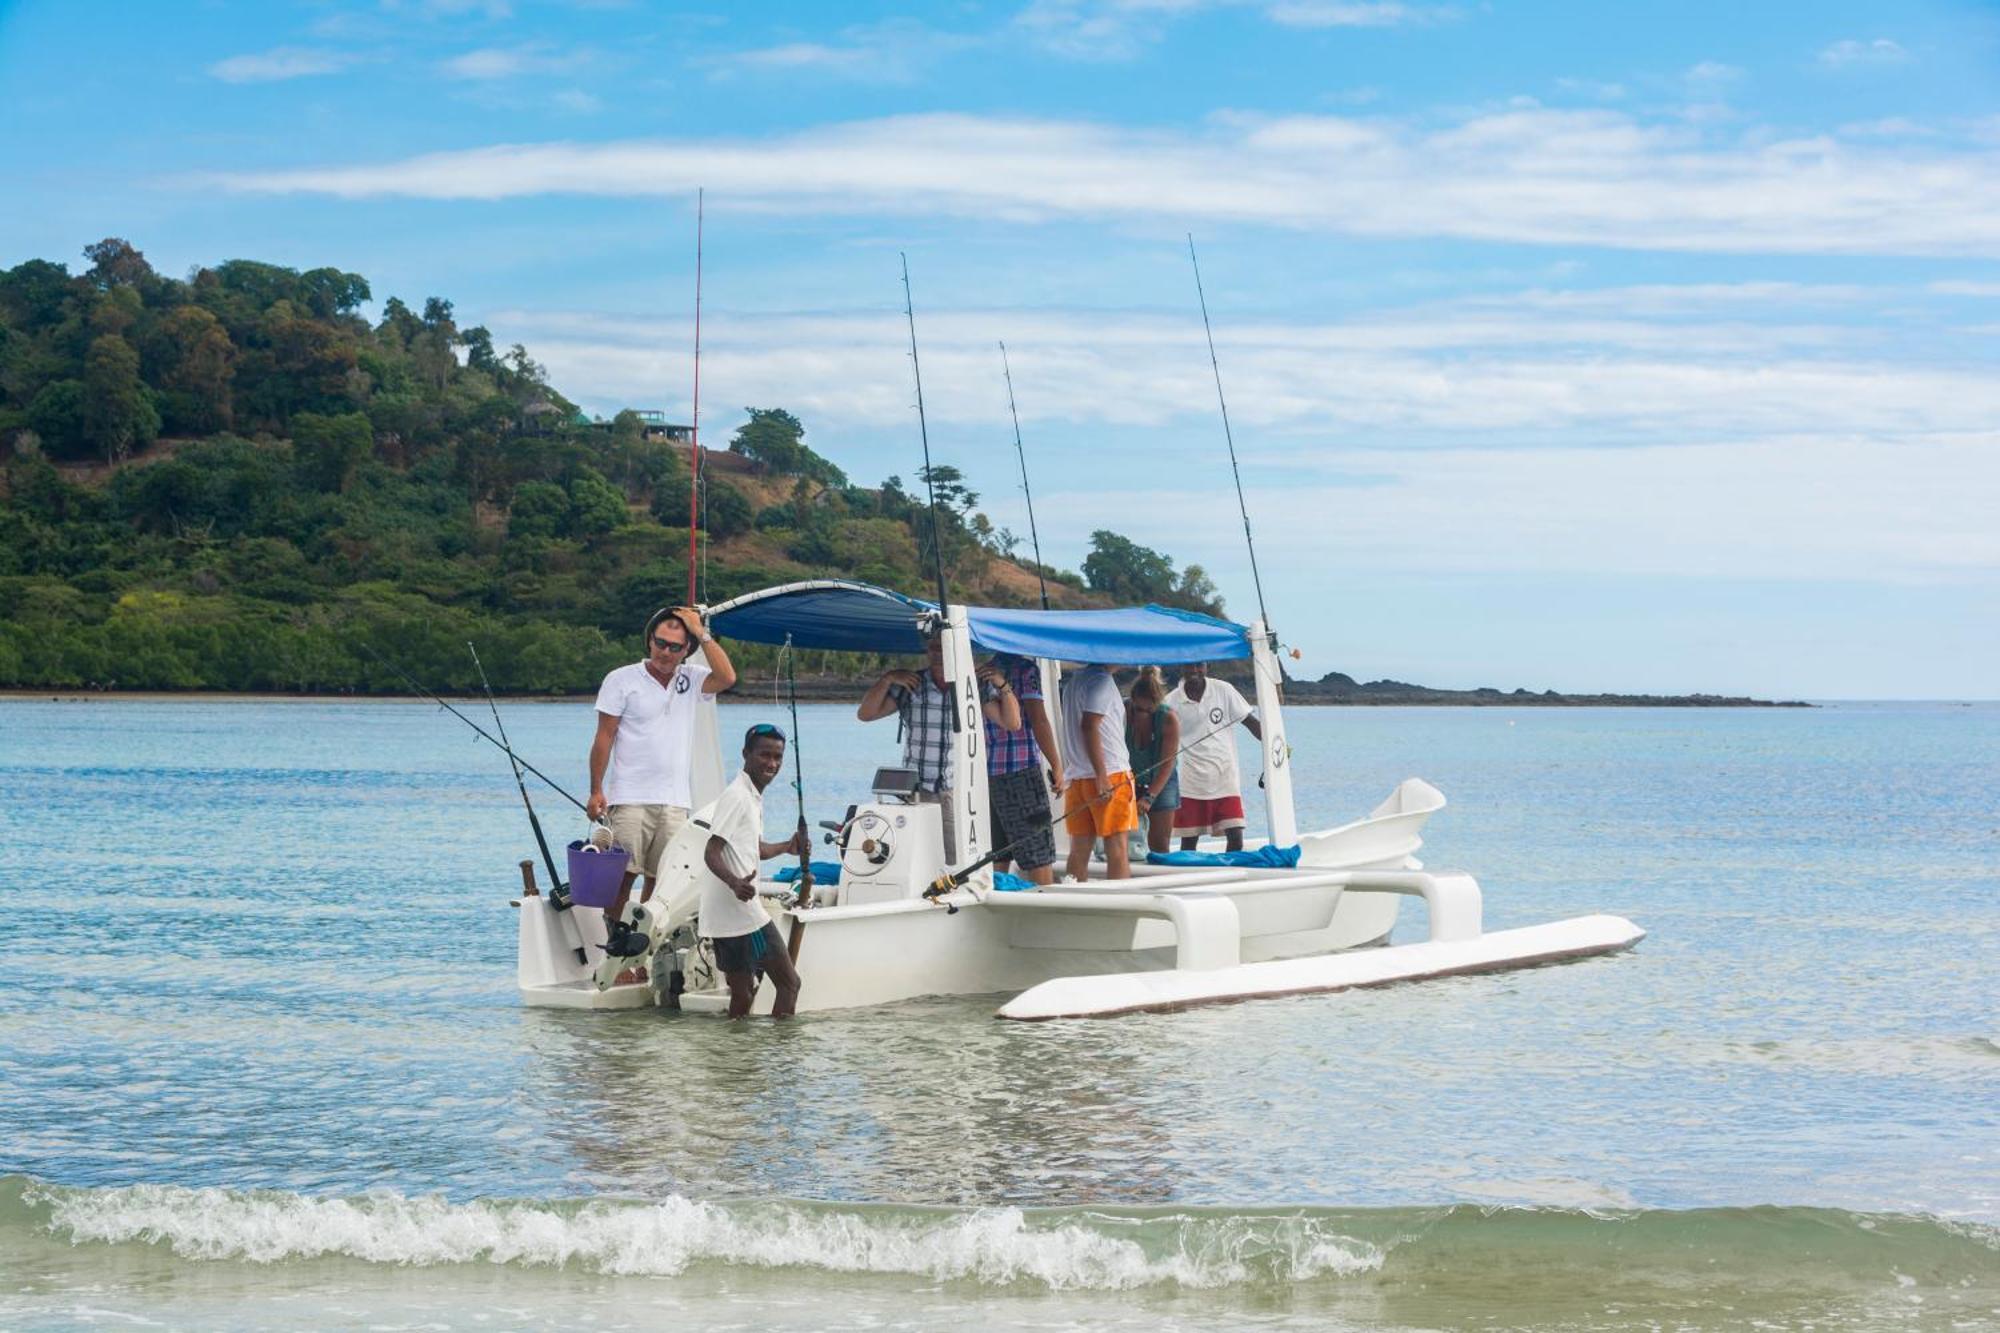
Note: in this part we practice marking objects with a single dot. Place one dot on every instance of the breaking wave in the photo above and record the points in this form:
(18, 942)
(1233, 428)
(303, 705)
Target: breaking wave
(1076, 1249)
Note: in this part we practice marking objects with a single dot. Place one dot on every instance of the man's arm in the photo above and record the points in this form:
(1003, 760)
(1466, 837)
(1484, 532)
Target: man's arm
(721, 671)
(1004, 710)
(1093, 745)
(716, 857)
(600, 759)
(793, 846)
(1045, 738)
(877, 703)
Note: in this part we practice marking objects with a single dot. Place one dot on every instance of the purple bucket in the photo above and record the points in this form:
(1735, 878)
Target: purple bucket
(594, 876)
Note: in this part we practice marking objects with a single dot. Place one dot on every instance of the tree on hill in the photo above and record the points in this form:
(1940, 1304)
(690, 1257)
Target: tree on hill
(1125, 571)
(776, 439)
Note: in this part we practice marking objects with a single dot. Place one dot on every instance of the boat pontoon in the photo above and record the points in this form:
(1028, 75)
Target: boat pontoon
(1167, 938)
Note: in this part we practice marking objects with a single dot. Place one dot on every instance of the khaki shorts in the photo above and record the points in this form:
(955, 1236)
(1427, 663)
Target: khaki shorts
(645, 831)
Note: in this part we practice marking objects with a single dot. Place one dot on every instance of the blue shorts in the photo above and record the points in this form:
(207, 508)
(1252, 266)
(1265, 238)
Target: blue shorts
(745, 953)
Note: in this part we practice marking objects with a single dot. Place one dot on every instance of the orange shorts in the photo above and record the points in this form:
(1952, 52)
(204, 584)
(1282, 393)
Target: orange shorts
(1115, 815)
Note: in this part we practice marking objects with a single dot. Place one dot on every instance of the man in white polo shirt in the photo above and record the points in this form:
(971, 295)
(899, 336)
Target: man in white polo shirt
(642, 756)
(1211, 785)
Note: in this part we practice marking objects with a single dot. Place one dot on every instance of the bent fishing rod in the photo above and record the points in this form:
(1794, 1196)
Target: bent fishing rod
(534, 821)
(954, 879)
(1033, 537)
(418, 686)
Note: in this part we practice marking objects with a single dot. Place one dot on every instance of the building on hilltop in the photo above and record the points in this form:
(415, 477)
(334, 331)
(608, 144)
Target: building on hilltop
(653, 425)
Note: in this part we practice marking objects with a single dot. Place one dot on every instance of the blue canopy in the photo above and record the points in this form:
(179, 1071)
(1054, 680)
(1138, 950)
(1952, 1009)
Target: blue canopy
(860, 617)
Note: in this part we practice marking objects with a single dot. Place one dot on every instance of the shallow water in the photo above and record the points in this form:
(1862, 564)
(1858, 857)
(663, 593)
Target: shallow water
(259, 963)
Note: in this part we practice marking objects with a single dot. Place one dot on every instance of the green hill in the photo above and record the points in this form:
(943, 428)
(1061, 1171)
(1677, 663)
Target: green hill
(238, 482)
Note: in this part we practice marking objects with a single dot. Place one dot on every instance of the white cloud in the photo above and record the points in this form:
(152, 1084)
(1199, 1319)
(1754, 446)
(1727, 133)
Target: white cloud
(577, 101)
(1597, 89)
(1966, 288)
(495, 62)
(280, 63)
(492, 9)
(1549, 367)
(1849, 53)
(893, 52)
(1527, 175)
(1099, 30)
(1355, 13)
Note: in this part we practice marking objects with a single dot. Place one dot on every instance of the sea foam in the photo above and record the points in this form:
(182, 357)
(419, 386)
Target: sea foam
(1070, 1250)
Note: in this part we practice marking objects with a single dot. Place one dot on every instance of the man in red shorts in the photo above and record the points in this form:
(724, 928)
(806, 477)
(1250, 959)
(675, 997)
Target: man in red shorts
(1211, 785)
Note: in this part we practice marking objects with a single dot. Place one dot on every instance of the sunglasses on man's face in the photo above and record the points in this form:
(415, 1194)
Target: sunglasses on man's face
(670, 645)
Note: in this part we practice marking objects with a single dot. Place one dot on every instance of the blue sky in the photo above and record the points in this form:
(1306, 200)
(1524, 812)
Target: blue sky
(1568, 346)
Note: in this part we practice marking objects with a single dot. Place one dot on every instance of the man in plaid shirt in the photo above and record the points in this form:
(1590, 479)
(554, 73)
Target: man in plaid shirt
(923, 704)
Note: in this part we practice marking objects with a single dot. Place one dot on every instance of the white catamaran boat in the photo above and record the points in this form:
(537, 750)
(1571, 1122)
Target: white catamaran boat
(1167, 938)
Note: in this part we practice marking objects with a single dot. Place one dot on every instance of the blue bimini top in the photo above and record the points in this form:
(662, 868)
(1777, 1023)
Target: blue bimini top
(860, 617)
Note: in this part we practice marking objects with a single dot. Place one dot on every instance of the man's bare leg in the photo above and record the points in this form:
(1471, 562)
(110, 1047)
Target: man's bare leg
(1232, 840)
(742, 990)
(1190, 844)
(1041, 874)
(1117, 857)
(784, 974)
(1078, 864)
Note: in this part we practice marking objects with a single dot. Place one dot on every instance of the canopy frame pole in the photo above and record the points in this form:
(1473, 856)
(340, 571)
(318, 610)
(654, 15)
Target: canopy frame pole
(968, 793)
(1280, 812)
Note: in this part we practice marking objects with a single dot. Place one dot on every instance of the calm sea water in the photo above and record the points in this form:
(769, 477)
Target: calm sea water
(262, 1063)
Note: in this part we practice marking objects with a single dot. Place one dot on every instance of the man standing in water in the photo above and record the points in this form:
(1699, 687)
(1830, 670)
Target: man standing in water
(642, 757)
(1211, 785)
(746, 939)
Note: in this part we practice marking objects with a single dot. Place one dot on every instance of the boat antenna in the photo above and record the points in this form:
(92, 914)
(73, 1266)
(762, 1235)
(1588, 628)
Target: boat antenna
(798, 772)
(694, 429)
(1242, 508)
(1022, 454)
(484, 734)
(930, 486)
(541, 841)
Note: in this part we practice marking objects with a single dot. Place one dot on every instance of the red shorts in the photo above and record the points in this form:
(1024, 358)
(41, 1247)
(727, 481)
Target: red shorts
(1216, 815)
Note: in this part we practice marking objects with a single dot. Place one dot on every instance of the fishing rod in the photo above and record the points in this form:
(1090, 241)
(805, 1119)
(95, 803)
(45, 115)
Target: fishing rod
(416, 685)
(1022, 454)
(798, 776)
(954, 879)
(694, 441)
(923, 428)
(1242, 508)
(534, 822)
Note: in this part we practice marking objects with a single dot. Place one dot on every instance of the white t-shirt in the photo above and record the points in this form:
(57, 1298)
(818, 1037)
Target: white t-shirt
(1092, 690)
(652, 754)
(738, 820)
(1208, 731)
